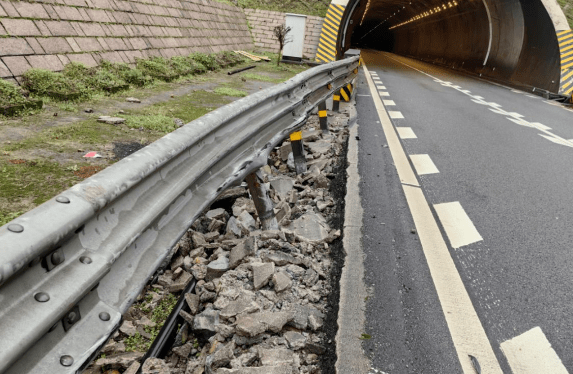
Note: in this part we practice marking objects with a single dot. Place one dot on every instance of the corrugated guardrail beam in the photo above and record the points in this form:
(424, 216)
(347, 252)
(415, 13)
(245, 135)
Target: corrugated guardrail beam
(71, 267)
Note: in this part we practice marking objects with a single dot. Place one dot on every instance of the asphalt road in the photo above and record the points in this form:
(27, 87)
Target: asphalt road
(503, 203)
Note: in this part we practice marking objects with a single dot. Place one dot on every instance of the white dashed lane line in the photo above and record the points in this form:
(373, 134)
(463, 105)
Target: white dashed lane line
(381, 87)
(388, 102)
(382, 93)
(457, 224)
(423, 164)
(406, 133)
(395, 114)
(531, 353)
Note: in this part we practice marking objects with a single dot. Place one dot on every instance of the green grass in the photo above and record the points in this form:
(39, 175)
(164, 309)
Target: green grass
(158, 122)
(259, 77)
(311, 8)
(228, 91)
(567, 6)
(158, 315)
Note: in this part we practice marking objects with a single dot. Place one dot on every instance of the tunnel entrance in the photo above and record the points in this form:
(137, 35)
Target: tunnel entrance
(512, 41)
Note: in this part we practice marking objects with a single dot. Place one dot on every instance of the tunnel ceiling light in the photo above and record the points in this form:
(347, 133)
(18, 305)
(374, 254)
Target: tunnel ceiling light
(439, 8)
(365, 11)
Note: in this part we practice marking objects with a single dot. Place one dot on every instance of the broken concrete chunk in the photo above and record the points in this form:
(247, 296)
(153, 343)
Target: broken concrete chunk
(132, 100)
(193, 302)
(199, 271)
(198, 239)
(311, 226)
(206, 322)
(222, 356)
(277, 356)
(217, 268)
(281, 259)
(186, 316)
(181, 282)
(262, 273)
(246, 222)
(242, 250)
(233, 227)
(281, 281)
(155, 365)
(258, 323)
(123, 360)
(184, 350)
(128, 328)
(216, 213)
(243, 304)
(295, 339)
(111, 120)
(310, 277)
(281, 369)
(319, 147)
(282, 185)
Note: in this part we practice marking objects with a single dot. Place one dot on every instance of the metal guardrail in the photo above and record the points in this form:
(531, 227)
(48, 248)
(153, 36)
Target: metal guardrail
(71, 267)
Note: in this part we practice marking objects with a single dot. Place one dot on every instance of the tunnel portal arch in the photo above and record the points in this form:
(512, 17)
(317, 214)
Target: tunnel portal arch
(527, 43)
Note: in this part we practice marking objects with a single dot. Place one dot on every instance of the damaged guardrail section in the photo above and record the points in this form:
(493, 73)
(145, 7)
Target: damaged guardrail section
(71, 267)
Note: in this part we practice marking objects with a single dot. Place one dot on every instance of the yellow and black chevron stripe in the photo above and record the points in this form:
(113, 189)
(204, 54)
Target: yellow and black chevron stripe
(346, 92)
(565, 40)
(329, 34)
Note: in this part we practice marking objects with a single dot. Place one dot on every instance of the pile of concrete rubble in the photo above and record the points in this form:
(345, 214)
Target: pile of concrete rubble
(260, 300)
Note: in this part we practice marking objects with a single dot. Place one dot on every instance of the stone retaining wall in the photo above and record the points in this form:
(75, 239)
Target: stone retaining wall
(50, 33)
(262, 23)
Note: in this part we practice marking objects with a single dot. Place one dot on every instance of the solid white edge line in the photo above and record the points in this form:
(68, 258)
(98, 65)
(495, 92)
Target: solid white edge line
(531, 353)
(466, 330)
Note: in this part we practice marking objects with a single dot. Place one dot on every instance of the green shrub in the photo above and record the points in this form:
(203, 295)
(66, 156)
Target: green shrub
(156, 66)
(132, 76)
(42, 82)
(209, 61)
(10, 94)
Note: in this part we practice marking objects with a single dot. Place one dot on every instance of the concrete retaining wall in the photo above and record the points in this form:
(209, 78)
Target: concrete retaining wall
(262, 23)
(50, 33)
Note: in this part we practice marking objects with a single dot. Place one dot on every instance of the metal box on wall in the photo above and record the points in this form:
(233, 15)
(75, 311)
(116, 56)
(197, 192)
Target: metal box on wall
(294, 48)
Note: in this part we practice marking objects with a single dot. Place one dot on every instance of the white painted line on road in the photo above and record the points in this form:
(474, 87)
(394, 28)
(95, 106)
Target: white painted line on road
(381, 87)
(395, 114)
(424, 164)
(531, 353)
(458, 225)
(467, 332)
(388, 102)
(382, 93)
(362, 95)
(559, 141)
(496, 108)
(406, 133)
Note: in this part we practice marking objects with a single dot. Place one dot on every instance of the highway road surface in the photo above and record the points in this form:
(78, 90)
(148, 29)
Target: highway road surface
(467, 189)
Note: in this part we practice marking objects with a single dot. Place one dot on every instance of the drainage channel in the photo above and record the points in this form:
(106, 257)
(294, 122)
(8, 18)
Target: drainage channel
(249, 300)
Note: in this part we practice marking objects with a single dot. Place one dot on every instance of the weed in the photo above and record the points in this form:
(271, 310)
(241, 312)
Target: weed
(227, 91)
(44, 82)
(67, 107)
(259, 77)
(10, 94)
(158, 122)
(6, 217)
(156, 67)
(136, 343)
(209, 61)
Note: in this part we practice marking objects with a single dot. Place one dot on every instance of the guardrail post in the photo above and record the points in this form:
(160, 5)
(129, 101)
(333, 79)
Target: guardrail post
(322, 116)
(336, 101)
(297, 152)
(262, 201)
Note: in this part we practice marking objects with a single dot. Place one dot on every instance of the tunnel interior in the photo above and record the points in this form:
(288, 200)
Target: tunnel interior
(512, 41)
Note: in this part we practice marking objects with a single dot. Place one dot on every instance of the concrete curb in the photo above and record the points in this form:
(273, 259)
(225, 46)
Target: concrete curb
(351, 314)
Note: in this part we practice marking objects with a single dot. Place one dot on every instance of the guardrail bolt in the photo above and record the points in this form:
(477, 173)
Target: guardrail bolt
(263, 202)
(322, 116)
(297, 152)
(16, 228)
(336, 101)
(104, 316)
(42, 297)
(66, 360)
(63, 200)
